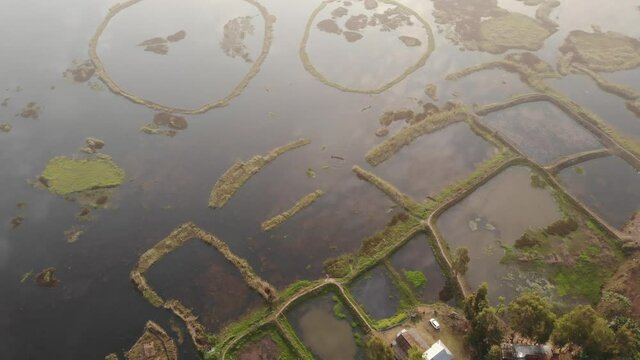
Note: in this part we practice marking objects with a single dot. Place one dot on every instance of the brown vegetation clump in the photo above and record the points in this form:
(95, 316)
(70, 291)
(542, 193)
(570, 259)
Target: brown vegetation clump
(165, 123)
(562, 227)
(31, 111)
(329, 26)
(511, 31)
(234, 33)
(238, 174)
(6, 128)
(81, 72)
(410, 41)
(154, 344)
(625, 282)
(602, 51)
(180, 35)
(47, 278)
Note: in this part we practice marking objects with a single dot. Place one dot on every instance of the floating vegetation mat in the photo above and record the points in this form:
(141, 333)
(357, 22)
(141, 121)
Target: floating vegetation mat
(388, 16)
(6, 128)
(159, 47)
(601, 51)
(31, 111)
(299, 206)
(80, 72)
(64, 175)
(511, 31)
(165, 124)
(154, 344)
(483, 25)
(234, 178)
(234, 33)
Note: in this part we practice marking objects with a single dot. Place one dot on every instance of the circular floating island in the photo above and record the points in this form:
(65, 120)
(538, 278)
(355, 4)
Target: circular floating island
(365, 46)
(181, 57)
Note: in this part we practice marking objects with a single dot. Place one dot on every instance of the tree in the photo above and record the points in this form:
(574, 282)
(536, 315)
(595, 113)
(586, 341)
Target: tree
(495, 353)
(583, 326)
(486, 331)
(476, 302)
(377, 349)
(627, 341)
(415, 354)
(461, 261)
(531, 316)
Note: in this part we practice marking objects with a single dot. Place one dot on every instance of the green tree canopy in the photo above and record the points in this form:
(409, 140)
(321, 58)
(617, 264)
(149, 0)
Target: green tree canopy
(377, 349)
(495, 353)
(531, 316)
(486, 331)
(583, 326)
(476, 302)
(415, 354)
(461, 261)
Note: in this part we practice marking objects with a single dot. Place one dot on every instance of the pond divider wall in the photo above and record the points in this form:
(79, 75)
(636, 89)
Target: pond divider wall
(176, 239)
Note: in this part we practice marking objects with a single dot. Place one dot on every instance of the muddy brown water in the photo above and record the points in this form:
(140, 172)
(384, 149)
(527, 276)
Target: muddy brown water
(96, 310)
(326, 336)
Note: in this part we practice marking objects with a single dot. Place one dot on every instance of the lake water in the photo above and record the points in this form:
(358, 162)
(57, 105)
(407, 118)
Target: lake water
(234, 54)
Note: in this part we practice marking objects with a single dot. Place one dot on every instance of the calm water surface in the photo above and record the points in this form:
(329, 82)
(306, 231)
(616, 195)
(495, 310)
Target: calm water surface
(96, 310)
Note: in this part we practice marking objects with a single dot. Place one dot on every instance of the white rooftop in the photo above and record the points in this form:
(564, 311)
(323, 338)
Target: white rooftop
(438, 351)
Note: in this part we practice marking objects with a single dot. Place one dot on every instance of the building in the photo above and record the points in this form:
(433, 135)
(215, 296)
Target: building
(407, 339)
(526, 352)
(438, 351)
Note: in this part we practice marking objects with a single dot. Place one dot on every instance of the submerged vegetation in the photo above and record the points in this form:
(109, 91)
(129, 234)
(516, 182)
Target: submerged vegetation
(601, 51)
(299, 206)
(234, 178)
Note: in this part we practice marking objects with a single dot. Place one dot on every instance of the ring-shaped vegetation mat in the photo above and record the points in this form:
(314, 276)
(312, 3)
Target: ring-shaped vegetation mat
(388, 21)
(104, 75)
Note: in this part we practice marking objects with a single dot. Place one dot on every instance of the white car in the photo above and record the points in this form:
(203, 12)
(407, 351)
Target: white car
(435, 324)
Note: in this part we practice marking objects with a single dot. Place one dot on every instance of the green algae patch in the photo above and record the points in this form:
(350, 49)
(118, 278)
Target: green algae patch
(234, 178)
(154, 343)
(65, 175)
(299, 206)
(602, 51)
(416, 278)
(512, 31)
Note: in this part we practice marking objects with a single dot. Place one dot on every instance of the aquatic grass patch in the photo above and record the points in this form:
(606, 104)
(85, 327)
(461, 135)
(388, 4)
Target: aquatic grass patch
(585, 278)
(416, 278)
(64, 175)
(512, 31)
